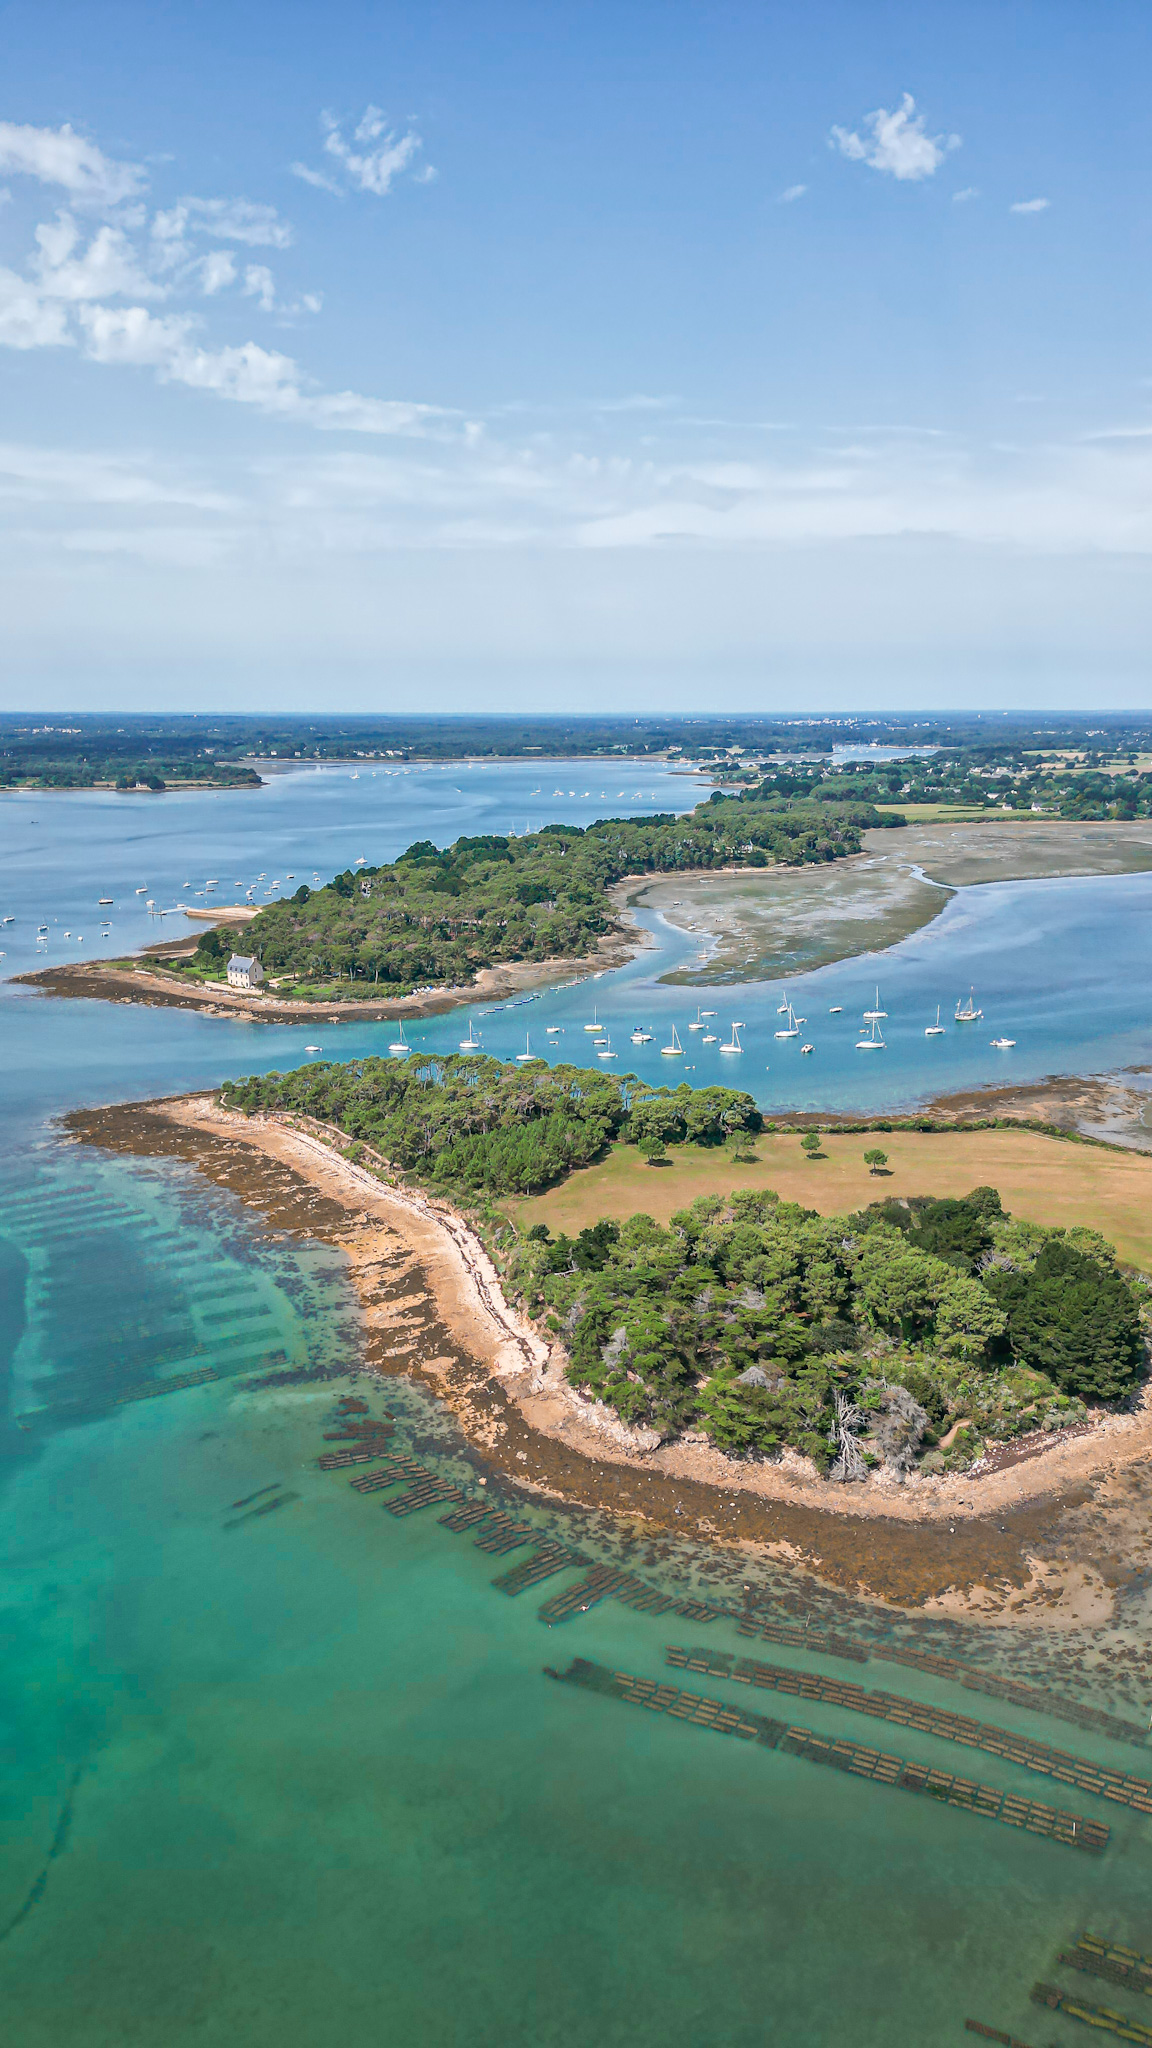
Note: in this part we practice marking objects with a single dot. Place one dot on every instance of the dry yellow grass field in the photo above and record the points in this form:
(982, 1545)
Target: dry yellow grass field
(1046, 1180)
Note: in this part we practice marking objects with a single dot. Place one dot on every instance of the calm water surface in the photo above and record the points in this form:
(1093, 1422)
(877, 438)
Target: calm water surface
(300, 1780)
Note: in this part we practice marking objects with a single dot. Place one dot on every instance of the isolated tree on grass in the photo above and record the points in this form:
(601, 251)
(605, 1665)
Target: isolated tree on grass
(875, 1160)
(653, 1150)
(810, 1143)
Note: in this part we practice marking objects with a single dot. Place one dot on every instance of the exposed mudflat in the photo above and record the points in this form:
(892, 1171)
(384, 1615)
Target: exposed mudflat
(774, 921)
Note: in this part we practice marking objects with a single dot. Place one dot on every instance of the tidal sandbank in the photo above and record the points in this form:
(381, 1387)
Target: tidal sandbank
(765, 923)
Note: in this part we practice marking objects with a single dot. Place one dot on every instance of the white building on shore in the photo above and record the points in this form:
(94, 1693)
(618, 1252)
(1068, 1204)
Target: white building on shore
(244, 971)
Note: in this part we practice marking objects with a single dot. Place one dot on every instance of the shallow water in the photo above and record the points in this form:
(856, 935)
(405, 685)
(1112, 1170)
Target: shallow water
(322, 1790)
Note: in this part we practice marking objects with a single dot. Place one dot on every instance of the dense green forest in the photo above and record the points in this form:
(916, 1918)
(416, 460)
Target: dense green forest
(858, 1340)
(469, 1125)
(912, 1334)
(433, 917)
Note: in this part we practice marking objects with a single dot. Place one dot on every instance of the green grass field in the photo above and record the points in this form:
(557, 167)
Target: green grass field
(1045, 1180)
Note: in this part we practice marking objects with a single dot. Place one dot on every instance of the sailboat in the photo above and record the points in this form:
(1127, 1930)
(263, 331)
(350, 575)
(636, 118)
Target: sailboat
(935, 1030)
(877, 1012)
(699, 1024)
(523, 1057)
(675, 1050)
(641, 1037)
(471, 1043)
(791, 1029)
(400, 1044)
(875, 1043)
(784, 1007)
(967, 1013)
(605, 1052)
(595, 1025)
(733, 1044)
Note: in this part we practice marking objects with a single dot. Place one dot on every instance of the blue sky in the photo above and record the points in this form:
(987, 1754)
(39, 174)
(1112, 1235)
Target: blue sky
(364, 356)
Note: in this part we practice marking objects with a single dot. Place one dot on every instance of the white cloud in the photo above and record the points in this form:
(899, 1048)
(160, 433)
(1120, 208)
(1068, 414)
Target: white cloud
(317, 178)
(792, 192)
(131, 336)
(230, 220)
(898, 142)
(1030, 206)
(107, 268)
(962, 198)
(53, 476)
(26, 319)
(374, 158)
(58, 156)
(217, 269)
(258, 284)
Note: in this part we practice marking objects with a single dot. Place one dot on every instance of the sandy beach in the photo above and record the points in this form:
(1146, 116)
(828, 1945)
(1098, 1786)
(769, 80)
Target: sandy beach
(1049, 1537)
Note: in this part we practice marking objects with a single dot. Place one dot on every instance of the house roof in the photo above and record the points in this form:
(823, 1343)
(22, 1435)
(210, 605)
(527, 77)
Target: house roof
(242, 960)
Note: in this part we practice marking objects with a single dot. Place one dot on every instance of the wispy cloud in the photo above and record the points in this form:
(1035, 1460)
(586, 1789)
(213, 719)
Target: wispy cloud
(95, 291)
(58, 156)
(230, 220)
(371, 161)
(792, 192)
(969, 192)
(1030, 206)
(896, 142)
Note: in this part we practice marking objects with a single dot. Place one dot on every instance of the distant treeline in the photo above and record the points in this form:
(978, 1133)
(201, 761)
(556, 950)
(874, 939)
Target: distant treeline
(434, 917)
(70, 745)
(1000, 778)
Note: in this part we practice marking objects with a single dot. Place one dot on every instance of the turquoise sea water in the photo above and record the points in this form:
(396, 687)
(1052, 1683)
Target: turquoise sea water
(301, 1780)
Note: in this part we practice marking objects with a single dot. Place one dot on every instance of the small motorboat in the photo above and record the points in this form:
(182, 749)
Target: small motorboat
(313, 1048)
(1003, 1044)
(641, 1037)
(807, 1048)
(836, 1009)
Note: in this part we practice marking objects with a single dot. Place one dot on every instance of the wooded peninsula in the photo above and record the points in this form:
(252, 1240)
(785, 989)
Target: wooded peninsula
(911, 1334)
(435, 918)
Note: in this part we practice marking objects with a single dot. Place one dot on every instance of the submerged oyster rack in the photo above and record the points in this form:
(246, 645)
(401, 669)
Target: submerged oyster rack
(928, 1720)
(1072, 1830)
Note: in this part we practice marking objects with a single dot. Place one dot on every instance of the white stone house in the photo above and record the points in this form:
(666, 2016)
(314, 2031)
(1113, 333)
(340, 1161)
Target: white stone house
(244, 971)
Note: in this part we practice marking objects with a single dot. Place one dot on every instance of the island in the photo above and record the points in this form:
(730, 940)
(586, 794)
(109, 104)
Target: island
(650, 1299)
